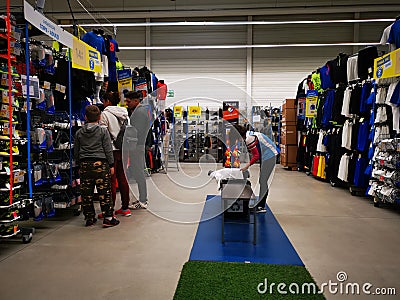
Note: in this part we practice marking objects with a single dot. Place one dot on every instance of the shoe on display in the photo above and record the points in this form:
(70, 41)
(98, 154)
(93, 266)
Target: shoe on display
(51, 213)
(5, 200)
(5, 149)
(90, 222)
(138, 205)
(110, 223)
(123, 212)
(10, 215)
(40, 217)
(8, 230)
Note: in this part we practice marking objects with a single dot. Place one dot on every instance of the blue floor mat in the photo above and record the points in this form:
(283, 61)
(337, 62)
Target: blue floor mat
(273, 246)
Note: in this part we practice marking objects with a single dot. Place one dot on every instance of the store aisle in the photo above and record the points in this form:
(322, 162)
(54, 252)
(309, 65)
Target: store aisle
(142, 258)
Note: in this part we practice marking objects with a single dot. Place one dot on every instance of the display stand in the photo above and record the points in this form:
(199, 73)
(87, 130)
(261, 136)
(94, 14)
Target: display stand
(236, 198)
(56, 187)
(12, 204)
(384, 185)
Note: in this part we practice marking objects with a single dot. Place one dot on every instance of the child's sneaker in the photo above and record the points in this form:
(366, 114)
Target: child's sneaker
(91, 222)
(123, 212)
(110, 223)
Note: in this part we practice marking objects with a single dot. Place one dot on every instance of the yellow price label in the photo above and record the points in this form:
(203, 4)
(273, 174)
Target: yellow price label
(194, 112)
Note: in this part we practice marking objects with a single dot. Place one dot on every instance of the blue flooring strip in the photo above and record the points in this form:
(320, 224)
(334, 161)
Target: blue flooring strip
(273, 246)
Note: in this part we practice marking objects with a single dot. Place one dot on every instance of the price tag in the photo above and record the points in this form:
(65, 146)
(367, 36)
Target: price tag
(6, 131)
(4, 79)
(4, 97)
(79, 122)
(46, 85)
(25, 106)
(7, 170)
(62, 89)
(57, 87)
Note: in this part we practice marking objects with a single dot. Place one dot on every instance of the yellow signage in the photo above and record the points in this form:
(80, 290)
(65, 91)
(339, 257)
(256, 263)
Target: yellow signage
(85, 57)
(387, 66)
(178, 112)
(124, 85)
(194, 112)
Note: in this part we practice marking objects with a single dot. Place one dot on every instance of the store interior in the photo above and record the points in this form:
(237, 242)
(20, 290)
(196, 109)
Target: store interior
(316, 81)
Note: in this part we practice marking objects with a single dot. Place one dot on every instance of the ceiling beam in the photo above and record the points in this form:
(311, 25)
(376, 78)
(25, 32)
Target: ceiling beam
(138, 14)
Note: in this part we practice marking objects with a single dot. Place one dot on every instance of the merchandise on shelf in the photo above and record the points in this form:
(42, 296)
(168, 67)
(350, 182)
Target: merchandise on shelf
(343, 122)
(385, 181)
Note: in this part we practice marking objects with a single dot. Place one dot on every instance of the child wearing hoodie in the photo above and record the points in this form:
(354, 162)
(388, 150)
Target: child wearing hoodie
(93, 154)
(113, 117)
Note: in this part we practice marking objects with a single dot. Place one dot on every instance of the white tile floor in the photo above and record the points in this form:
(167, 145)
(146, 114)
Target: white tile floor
(142, 257)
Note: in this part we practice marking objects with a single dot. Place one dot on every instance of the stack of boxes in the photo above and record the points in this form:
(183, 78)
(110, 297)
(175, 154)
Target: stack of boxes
(289, 134)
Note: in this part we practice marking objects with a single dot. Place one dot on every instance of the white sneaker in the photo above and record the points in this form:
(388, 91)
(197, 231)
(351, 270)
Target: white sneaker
(138, 205)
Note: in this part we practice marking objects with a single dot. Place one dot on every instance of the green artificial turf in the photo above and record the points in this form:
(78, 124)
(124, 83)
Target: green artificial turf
(218, 280)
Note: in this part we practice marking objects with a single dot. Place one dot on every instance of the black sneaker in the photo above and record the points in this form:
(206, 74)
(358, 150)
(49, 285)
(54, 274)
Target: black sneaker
(7, 231)
(110, 223)
(91, 222)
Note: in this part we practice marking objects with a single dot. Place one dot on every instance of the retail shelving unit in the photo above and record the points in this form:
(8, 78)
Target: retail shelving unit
(196, 139)
(213, 139)
(13, 206)
(385, 180)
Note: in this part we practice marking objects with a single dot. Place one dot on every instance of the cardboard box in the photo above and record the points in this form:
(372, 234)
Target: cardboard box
(289, 135)
(287, 123)
(289, 115)
(288, 154)
(292, 154)
(289, 103)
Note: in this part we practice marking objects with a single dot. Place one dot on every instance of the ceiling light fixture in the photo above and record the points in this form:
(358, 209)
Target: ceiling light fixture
(231, 23)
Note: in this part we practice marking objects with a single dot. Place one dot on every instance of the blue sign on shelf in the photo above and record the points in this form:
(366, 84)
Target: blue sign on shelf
(124, 74)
